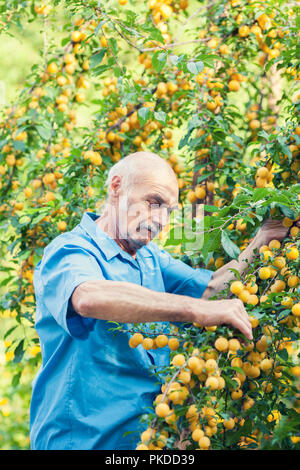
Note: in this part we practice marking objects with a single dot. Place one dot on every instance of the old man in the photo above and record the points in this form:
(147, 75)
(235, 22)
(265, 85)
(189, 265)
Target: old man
(92, 387)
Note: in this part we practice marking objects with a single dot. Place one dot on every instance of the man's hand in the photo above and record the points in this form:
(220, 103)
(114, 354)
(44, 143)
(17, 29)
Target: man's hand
(272, 229)
(227, 311)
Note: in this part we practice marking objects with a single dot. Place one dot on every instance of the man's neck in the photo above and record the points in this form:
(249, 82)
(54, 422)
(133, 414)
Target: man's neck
(109, 227)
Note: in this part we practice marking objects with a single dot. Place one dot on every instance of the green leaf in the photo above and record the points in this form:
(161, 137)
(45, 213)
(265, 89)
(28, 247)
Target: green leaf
(173, 238)
(8, 332)
(174, 59)
(101, 69)
(260, 193)
(5, 281)
(211, 208)
(154, 32)
(230, 382)
(36, 258)
(19, 352)
(212, 242)
(96, 59)
(65, 41)
(287, 211)
(16, 378)
(231, 249)
(113, 45)
(99, 26)
(179, 61)
(287, 151)
(24, 219)
(24, 255)
(236, 272)
(144, 114)
(19, 145)
(204, 177)
(283, 354)
(195, 67)
(224, 211)
(118, 72)
(160, 116)
(44, 130)
(207, 59)
(280, 198)
(207, 221)
(39, 217)
(159, 60)
(193, 123)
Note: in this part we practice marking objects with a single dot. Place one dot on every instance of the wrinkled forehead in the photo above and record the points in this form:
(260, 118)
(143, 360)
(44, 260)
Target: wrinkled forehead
(162, 181)
(156, 175)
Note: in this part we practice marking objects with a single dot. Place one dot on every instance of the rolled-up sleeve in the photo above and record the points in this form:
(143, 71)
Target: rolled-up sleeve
(179, 278)
(62, 269)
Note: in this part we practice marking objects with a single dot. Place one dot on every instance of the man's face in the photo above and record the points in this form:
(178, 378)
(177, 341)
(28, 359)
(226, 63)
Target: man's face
(145, 209)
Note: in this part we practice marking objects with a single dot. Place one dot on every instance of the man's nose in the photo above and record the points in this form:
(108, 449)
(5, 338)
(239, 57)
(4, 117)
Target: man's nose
(160, 216)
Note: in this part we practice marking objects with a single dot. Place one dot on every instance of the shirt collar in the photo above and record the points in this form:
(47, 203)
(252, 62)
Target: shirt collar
(108, 246)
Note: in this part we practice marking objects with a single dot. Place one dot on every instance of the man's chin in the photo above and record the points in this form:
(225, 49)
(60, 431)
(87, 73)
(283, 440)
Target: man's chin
(136, 244)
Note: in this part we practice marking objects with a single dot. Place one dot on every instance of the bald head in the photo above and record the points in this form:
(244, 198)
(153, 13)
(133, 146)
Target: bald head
(140, 166)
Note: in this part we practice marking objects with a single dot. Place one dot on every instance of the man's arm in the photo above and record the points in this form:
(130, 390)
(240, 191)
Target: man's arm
(130, 303)
(270, 230)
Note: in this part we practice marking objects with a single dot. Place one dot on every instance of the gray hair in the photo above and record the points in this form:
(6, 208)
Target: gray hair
(125, 168)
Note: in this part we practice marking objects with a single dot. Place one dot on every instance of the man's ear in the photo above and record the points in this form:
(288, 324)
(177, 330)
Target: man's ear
(115, 185)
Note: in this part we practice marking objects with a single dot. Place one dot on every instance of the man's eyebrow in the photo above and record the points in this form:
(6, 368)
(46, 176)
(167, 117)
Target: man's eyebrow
(161, 200)
(158, 198)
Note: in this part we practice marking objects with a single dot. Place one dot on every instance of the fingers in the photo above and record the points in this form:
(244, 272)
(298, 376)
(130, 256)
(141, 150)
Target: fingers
(271, 224)
(273, 229)
(246, 325)
(276, 229)
(239, 318)
(231, 312)
(242, 327)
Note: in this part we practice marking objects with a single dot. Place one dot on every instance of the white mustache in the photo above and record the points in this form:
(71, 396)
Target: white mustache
(154, 228)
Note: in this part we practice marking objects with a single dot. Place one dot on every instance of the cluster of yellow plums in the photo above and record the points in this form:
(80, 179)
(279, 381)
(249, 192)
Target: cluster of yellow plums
(200, 370)
(274, 275)
(195, 369)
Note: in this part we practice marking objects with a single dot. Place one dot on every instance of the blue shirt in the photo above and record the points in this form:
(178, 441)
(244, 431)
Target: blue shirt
(92, 387)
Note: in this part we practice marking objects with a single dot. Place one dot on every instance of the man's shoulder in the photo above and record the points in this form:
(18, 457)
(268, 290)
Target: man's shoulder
(75, 237)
